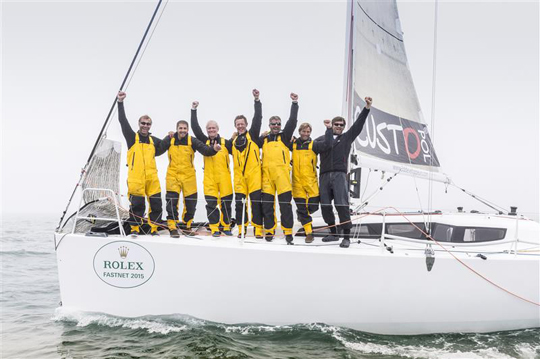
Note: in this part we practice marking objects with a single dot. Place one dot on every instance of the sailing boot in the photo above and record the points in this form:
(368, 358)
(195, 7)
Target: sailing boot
(289, 239)
(258, 233)
(346, 242)
(308, 230)
(240, 231)
(172, 228)
(332, 237)
(134, 231)
(227, 230)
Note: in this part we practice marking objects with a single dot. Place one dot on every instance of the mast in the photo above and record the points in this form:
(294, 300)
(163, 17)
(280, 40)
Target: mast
(102, 133)
(349, 65)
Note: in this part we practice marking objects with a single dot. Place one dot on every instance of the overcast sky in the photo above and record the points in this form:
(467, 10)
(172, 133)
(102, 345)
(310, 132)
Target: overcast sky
(62, 64)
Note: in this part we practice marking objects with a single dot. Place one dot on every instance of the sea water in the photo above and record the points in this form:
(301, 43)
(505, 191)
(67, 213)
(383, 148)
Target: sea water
(35, 326)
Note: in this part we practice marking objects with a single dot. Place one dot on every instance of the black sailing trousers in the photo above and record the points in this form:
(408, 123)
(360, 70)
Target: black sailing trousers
(334, 187)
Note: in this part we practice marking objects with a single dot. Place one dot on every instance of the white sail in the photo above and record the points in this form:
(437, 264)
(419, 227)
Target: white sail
(395, 137)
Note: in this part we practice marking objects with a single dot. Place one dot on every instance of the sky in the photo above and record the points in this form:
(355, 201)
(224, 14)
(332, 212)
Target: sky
(63, 62)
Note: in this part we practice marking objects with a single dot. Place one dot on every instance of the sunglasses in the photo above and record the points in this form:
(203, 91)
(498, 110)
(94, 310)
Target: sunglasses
(146, 123)
(339, 124)
(275, 124)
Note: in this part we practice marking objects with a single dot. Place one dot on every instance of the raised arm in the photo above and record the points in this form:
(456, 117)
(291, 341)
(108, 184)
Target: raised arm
(202, 148)
(323, 144)
(257, 118)
(127, 131)
(195, 123)
(358, 125)
(288, 130)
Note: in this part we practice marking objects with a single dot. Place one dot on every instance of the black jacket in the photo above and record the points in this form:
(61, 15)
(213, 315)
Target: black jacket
(129, 134)
(202, 137)
(336, 158)
(254, 130)
(288, 130)
(196, 145)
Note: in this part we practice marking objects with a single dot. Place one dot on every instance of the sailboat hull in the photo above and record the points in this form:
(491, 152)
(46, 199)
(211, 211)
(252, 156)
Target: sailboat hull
(367, 289)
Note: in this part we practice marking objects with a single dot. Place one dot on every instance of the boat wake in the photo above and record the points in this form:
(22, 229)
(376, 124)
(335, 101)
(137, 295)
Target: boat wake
(296, 339)
(150, 324)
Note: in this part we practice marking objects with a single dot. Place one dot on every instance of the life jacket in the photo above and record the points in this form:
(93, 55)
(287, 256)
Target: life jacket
(304, 163)
(275, 154)
(247, 161)
(217, 165)
(181, 159)
(141, 160)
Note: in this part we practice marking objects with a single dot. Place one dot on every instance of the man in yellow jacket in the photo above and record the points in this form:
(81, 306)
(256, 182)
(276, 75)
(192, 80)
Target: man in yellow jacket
(305, 186)
(217, 175)
(143, 179)
(181, 175)
(247, 169)
(276, 173)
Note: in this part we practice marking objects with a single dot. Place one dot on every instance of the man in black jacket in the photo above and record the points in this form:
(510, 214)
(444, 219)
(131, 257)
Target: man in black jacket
(333, 176)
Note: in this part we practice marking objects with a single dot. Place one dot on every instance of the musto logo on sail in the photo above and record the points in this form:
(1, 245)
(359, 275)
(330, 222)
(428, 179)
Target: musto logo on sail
(124, 264)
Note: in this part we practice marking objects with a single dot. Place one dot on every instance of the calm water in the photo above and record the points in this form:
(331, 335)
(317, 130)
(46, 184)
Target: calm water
(33, 326)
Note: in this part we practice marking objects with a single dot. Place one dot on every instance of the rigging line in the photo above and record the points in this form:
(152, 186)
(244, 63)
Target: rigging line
(113, 106)
(466, 265)
(382, 28)
(126, 77)
(433, 97)
(481, 200)
(414, 177)
(366, 186)
(377, 191)
(142, 55)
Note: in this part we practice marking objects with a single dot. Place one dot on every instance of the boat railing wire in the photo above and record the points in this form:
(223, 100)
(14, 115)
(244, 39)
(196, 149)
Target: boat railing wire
(383, 212)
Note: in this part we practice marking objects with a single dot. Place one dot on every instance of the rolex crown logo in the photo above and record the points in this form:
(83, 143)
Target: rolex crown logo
(123, 252)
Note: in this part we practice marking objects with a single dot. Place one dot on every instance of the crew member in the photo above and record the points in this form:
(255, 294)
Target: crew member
(217, 175)
(276, 173)
(305, 186)
(333, 177)
(181, 176)
(143, 178)
(247, 169)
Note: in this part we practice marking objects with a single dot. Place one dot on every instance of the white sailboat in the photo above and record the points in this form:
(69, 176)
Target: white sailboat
(404, 273)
